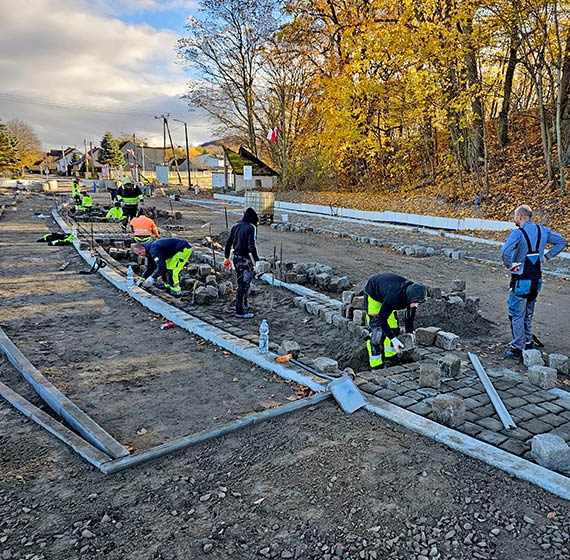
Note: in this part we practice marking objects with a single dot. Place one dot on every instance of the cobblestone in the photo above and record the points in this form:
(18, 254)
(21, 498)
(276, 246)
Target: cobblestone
(515, 447)
(403, 401)
(490, 424)
(536, 426)
(491, 437)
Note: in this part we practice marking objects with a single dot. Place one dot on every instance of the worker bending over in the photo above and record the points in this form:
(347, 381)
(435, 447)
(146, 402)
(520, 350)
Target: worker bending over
(384, 294)
(165, 258)
(86, 202)
(115, 214)
(144, 229)
(76, 190)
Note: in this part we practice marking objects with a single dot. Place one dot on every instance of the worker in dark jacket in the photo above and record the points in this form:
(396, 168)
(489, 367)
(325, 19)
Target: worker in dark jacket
(166, 258)
(522, 254)
(384, 294)
(242, 239)
(130, 195)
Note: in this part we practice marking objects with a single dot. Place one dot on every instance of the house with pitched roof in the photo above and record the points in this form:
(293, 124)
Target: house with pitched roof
(263, 176)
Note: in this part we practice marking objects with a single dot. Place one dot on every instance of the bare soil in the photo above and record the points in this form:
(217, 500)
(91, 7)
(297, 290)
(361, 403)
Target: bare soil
(314, 484)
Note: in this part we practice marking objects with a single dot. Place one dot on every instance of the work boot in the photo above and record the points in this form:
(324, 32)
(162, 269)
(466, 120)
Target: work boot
(513, 354)
(529, 346)
(244, 315)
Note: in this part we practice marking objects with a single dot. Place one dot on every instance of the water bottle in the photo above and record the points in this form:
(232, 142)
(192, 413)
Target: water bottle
(130, 277)
(263, 337)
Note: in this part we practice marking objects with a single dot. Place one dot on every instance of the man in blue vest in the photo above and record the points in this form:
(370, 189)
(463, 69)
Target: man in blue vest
(523, 253)
(165, 257)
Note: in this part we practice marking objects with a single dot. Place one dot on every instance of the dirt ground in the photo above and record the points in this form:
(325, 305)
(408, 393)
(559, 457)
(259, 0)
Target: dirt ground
(313, 484)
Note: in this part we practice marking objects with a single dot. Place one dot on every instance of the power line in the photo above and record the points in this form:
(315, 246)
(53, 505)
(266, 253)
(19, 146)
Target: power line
(13, 98)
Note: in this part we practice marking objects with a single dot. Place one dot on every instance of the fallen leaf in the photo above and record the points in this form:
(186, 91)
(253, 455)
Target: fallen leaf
(550, 515)
(235, 379)
(257, 502)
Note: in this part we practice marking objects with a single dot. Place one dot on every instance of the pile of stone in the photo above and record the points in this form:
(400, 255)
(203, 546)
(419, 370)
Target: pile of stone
(539, 373)
(316, 274)
(204, 283)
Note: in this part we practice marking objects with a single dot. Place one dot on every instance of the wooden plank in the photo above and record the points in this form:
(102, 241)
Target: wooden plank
(78, 444)
(60, 404)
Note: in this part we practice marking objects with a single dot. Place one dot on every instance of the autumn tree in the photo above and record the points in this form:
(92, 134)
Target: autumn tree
(10, 161)
(224, 51)
(29, 144)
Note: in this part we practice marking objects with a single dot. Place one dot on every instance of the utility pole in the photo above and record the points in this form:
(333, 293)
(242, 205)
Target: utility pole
(92, 162)
(163, 118)
(187, 151)
(173, 153)
(86, 160)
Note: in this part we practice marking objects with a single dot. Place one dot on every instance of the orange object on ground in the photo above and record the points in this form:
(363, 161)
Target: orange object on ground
(284, 358)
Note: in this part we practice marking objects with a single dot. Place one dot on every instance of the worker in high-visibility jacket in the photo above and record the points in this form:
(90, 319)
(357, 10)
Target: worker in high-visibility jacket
(384, 294)
(130, 195)
(86, 202)
(76, 190)
(165, 257)
(144, 229)
(115, 214)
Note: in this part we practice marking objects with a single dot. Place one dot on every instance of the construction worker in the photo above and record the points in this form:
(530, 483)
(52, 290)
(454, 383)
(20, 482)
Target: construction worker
(86, 202)
(76, 190)
(115, 213)
(384, 294)
(522, 254)
(242, 239)
(166, 258)
(130, 195)
(144, 229)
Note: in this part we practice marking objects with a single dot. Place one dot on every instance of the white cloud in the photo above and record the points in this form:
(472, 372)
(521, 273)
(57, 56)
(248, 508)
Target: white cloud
(74, 53)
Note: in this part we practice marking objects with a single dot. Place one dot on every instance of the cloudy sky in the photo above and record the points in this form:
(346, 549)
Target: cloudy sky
(73, 69)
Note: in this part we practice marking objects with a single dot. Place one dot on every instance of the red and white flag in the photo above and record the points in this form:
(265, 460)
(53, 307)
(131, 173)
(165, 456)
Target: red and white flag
(272, 134)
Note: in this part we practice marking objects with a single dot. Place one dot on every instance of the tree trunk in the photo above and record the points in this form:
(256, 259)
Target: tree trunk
(503, 130)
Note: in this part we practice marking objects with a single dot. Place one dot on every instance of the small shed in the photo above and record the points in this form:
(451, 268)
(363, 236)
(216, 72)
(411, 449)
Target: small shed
(263, 176)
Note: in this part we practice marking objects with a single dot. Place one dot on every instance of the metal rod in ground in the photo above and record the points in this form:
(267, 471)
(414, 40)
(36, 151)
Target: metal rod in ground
(186, 441)
(281, 261)
(274, 267)
(226, 215)
(503, 413)
(212, 245)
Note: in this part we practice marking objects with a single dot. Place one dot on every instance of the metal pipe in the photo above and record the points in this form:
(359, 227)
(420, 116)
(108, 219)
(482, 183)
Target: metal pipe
(503, 413)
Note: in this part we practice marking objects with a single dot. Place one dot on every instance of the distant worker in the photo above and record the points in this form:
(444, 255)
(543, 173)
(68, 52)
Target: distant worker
(523, 253)
(86, 202)
(384, 294)
(115, 213)
(76, 190)
(130, 195)
(144, 229)
(165, 258)
(242, 238)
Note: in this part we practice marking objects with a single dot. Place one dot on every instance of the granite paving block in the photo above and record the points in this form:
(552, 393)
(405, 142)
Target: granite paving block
(484, 411)
(454, 384)
(470, 403)
(504, 384)
(428, 392)
(553, 419)
(533, 398)
(400, 389)
(386, 394)
(552, 407)
(534, 409)
(410, 385)
(470, 428)
(470, 417)
(515, 447)
(403, 401)
(551, 452)
(547, 395)
(490, 424)
(514, 402)
(519, 414)
(518, 433)
(468, 392)
(423, 408)
(564, 403)
(520, 391)
(493, 438)
(448, 410)
(565, 415)
(483, 398)
(563, 431)
(536, 426)
(414, 395)
(369, 387)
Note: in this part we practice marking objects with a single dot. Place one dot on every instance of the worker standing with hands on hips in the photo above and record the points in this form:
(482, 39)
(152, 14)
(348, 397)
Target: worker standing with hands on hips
(242, 238)
(384, 294)
(166, 258)
(523, 253)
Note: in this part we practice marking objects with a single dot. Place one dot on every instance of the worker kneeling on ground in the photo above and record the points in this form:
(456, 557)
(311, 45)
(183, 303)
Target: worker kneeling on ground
(384, 294)
(86, 202)
(144, 229)
(166, 258)
(115, 214)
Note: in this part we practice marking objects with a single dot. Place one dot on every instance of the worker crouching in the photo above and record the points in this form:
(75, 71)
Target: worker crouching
(384, 294)
(143, 228)
(165, 258)
(115, 214)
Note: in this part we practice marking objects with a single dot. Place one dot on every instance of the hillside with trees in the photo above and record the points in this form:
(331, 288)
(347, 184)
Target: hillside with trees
(445, 106)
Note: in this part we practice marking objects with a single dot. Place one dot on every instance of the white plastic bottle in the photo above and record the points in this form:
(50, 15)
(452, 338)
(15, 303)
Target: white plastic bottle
(263, 337)
(130, 277)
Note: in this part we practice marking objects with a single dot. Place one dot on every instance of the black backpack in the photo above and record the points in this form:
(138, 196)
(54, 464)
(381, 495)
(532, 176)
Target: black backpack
(529, 282)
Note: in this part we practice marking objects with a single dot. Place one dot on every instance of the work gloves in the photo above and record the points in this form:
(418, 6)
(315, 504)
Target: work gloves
(227, 264)
(258, 269)
(397, 345)
(149, 281)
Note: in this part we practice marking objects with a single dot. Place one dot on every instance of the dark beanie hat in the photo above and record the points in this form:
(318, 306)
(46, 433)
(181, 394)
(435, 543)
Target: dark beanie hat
(415, 293)
(250, 216)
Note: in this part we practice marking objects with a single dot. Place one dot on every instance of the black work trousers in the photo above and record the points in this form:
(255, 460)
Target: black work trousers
(244, 271)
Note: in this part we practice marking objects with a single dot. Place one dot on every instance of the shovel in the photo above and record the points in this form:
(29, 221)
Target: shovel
(343, 389)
